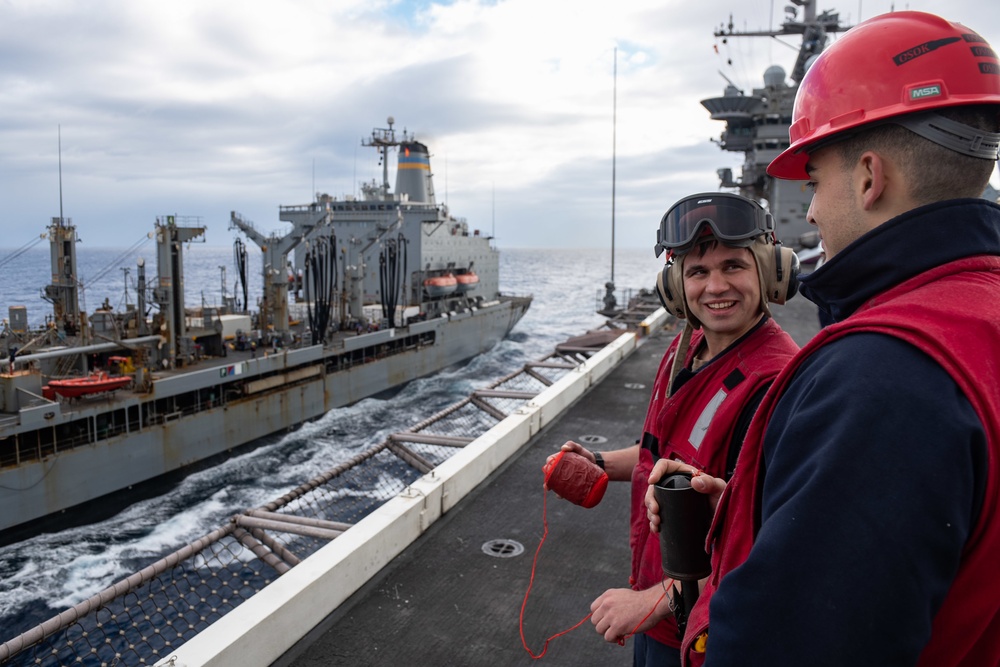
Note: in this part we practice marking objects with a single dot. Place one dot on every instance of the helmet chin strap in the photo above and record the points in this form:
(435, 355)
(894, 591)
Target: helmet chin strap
(679, 358)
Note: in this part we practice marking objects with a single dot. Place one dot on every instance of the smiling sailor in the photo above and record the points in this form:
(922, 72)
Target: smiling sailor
(723, 266)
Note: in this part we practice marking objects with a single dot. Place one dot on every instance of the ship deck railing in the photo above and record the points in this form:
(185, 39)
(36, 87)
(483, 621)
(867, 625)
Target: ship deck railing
(145, 617)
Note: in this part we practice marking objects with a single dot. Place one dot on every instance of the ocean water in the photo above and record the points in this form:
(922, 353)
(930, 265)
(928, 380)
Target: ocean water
(47, 574)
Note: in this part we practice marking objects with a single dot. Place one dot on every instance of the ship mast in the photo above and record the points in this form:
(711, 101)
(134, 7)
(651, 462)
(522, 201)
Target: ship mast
(59, 139)
(614, 159)
(757, 124)
(812, 28)
(63, 291)
(384, 138)
(610, 302)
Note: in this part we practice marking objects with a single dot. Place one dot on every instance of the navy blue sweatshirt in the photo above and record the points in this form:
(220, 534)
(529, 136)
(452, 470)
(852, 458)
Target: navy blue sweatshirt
(874, 464)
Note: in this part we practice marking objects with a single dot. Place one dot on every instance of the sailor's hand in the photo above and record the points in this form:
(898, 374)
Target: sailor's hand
(576, 448)
(621, 612)
(700, 482)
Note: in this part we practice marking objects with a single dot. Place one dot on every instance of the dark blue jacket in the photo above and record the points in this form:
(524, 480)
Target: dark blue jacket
(853, 457)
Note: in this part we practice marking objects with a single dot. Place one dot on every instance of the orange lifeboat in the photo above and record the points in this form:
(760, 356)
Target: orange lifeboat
(439, 286)
(467, 281)
(95, 383)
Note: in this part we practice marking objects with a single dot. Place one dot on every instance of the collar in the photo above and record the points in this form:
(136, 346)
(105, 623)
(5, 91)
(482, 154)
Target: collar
(900, 248)
(688, 371)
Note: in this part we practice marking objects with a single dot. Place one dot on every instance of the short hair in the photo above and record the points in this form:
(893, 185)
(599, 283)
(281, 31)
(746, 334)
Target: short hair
(935, 173)
(703, 247)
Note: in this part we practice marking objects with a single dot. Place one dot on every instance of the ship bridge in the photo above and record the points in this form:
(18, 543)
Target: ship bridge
(738, 111)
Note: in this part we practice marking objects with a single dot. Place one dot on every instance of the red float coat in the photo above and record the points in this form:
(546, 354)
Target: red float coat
(923, 312)
(696, 425)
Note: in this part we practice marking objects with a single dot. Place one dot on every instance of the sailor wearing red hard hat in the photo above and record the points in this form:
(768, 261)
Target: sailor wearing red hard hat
(861, 525)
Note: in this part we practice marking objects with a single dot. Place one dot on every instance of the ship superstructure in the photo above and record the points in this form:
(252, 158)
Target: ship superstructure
(393, 245)
(757, 124)
(384, 288)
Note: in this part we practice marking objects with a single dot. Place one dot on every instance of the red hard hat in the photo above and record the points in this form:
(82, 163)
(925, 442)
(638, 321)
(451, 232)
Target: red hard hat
(889, 65)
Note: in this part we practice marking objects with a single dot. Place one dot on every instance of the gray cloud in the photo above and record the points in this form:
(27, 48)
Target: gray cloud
(201, 108)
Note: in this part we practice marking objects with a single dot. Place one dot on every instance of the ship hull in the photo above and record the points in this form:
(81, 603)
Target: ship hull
(235, 405)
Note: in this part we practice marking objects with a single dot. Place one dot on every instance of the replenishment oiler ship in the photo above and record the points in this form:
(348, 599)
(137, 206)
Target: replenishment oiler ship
(362, 295)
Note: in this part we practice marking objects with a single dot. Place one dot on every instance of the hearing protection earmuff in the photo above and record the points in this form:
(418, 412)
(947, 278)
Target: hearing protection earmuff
(779, 271)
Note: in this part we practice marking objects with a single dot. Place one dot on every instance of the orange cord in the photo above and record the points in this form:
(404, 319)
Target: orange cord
(531, 581)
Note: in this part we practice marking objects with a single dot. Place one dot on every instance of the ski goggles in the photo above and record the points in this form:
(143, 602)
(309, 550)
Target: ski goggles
(732, 219)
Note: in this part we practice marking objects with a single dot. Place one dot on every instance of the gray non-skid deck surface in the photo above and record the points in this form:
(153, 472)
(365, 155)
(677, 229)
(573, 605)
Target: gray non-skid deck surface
(446, 602)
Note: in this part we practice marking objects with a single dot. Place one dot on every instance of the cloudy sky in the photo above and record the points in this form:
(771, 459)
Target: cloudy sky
(200, 107)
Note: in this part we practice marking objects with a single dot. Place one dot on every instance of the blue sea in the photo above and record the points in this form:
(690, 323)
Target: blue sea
(47, 574)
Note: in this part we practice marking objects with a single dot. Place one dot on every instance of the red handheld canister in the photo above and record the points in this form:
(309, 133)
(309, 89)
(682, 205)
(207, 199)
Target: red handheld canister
(575, 478)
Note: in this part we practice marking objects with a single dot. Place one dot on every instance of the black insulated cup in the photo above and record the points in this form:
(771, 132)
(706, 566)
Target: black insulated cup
(685, 518)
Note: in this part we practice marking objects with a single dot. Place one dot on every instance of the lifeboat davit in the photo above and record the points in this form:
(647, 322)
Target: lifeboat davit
(467, 281)
(95, 383)
(440, 285)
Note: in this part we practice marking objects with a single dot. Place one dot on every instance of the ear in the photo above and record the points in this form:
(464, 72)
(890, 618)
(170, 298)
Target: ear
(871, 171)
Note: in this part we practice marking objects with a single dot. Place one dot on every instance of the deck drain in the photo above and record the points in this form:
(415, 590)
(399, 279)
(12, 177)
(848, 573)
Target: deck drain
(593, 439)
(503, 548)
(634, 385)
